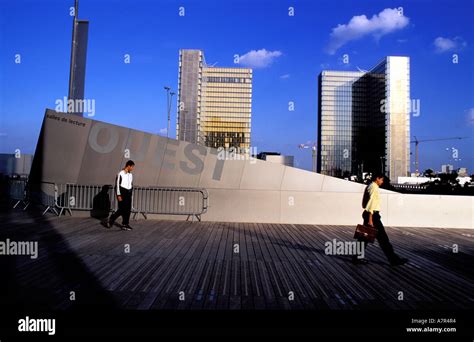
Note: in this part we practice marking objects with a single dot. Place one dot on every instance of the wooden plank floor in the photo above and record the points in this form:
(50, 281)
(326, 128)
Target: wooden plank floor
(184, 265)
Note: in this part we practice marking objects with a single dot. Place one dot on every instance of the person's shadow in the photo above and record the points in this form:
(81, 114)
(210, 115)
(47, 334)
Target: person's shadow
(101, 204)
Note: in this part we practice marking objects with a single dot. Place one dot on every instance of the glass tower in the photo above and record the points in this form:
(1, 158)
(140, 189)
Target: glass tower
(364, 120)
(214, 104)
(189, 94)
(338, 102)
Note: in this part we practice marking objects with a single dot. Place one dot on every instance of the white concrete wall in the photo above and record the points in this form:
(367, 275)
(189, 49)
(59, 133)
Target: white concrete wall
(245, 190)
(338, 208)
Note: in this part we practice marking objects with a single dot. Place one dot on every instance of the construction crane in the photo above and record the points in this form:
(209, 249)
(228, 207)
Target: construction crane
(417, 142)
(312, 145)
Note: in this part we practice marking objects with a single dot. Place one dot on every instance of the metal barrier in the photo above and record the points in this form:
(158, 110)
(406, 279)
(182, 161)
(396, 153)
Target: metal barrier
(170, 201)
(192, 202)
(81, 197)
(409, 186)
(17, 192)
(43, 193)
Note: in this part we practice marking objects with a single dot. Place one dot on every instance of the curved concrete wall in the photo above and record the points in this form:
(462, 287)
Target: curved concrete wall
(84, 151)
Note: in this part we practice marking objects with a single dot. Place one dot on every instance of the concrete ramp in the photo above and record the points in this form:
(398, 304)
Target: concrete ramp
(84, 151)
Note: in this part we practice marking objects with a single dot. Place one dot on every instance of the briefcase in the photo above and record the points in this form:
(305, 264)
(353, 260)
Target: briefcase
(365, 233)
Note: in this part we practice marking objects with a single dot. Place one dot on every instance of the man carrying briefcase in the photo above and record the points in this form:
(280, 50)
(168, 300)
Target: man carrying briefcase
(371, 216)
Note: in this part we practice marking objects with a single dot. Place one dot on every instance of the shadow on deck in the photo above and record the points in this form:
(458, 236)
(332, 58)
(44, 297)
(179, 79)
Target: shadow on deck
(217, 265)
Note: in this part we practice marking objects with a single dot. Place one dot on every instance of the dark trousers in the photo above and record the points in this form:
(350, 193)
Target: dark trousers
(382, 236)
(124, 207)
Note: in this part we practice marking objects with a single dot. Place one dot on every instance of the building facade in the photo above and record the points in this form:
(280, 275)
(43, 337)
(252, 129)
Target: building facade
(15, 165)
(364, 120)
(214, 103)
(338, 101)
(447, 168)
(275, 157)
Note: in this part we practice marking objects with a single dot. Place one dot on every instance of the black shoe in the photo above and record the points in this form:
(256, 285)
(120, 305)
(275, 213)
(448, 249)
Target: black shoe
(399, 261)
(357, 261)
(107, 224)
(126, 227)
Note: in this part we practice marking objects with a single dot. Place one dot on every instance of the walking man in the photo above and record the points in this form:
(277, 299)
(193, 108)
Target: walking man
(124, 189)
(371, 216)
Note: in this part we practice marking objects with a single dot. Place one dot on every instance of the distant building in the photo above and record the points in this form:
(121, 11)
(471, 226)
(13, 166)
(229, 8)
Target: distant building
(420, 180)
(447, 168)
(462, 172)
(415, 180)
(463, 180)
(339, 102)
(77, 71)
(214, 103)
(275, 157)
(364, 120)
(10, 165)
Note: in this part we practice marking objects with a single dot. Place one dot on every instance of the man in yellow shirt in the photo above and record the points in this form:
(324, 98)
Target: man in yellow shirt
(371, 216)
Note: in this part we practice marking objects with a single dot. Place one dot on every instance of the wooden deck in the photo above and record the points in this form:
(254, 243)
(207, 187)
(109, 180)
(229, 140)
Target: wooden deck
(197, 259)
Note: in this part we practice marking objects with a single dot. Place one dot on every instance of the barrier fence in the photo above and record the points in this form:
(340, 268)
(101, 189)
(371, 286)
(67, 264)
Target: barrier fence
(409, 186)
(172, 201)
(17, 191)
(61, 198)
(44, 194)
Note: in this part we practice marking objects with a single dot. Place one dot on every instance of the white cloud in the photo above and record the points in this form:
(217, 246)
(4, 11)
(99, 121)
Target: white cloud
(163, 130)
(470, 116)
(259, 59)
(285, 76)
(447, 44)
(387, 21)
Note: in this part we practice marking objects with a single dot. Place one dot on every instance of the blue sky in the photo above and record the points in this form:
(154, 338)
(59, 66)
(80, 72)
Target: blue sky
(289, 52)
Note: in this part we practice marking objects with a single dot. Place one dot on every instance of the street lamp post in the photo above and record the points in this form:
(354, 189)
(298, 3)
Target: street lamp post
(313, 154)
(169, 98)
(169, 111)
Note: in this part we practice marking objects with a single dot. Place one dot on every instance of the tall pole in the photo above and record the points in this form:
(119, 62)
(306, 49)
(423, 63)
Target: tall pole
(168, 108)
(314, 167)
(417, 172)
(73, 48)
(168, 129)
(169, 113)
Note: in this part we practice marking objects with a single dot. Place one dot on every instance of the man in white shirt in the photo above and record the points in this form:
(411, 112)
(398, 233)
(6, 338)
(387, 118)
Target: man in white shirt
(371, 216)
(124, 189)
